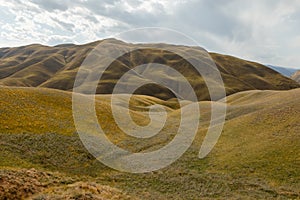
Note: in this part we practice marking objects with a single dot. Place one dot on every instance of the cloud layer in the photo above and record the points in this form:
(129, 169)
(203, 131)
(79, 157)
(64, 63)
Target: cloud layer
(266, 31)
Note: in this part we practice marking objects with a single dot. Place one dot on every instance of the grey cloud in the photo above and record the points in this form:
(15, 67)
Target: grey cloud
(114, 10)
(209, 16)
(91, 18)
(51, 5)
(57, 39)
(66, 25)
(156, 35)
(260, 30)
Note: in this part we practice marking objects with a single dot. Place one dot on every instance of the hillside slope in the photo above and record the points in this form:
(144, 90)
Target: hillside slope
(56, 67)
(256, 157)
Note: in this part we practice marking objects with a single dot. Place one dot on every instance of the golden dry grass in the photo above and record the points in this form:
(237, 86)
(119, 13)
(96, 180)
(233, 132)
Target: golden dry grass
(36, 184)
(256, 157)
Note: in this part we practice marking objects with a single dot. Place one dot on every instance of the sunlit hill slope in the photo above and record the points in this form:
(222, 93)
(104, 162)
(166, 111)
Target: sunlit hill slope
(261, 136)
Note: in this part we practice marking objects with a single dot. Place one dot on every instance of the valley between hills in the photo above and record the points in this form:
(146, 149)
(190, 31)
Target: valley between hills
(42, 156)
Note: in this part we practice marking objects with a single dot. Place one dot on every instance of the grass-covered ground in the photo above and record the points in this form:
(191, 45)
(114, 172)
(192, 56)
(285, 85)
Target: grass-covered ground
(256, 157)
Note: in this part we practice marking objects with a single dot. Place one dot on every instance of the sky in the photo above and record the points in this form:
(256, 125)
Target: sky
(266, 31)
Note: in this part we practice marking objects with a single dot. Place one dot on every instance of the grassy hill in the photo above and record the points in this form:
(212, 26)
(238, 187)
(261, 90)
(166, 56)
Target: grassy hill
(42, 156)
(56, 67)
(256, 157)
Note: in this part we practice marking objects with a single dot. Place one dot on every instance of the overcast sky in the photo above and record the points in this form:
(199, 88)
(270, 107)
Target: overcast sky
(267, 31)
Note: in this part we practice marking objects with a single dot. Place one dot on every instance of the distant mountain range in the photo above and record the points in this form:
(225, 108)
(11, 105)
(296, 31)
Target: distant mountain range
(288, 72)
(296, 76)
(56, 67)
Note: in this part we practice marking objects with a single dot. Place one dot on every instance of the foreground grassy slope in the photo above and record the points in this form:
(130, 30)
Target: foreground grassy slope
(56, 67)
(264, 137)
(34, 184)
(256, 157)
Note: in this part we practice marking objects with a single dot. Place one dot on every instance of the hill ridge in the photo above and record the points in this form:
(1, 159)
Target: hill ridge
(56, 67)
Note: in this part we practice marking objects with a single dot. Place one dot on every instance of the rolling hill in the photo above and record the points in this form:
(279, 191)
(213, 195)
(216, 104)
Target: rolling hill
(260, 137)
(42, 156)
(56, 67)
